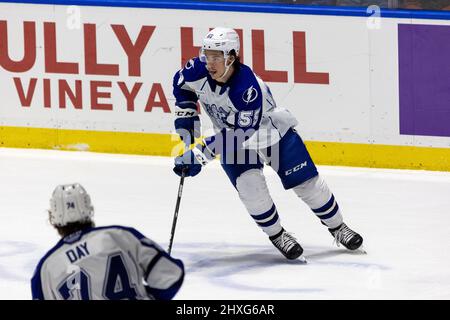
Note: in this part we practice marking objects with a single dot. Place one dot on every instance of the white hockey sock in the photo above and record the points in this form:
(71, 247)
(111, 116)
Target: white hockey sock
(254, 194)
(316, 194)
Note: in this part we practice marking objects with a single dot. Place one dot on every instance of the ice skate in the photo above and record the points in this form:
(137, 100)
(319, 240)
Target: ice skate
(287, 245)
(347, 237)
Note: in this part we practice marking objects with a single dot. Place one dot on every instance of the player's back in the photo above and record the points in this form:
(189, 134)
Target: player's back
(103, 263)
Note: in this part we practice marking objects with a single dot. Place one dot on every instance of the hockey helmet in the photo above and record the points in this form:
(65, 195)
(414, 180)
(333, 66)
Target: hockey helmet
(221, 39)
(70, 203)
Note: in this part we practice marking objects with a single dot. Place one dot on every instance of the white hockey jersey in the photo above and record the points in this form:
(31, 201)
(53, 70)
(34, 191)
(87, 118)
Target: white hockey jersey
(111, 263)
(244, 102)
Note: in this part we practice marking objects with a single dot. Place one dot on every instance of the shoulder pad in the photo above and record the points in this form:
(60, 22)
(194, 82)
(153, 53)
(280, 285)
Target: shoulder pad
(245, 92)
(193, 70)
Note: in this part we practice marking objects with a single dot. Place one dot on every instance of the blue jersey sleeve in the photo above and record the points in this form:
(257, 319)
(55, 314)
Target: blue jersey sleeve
(184, 98)
(184, 95)
(187, 122)
(246, 97)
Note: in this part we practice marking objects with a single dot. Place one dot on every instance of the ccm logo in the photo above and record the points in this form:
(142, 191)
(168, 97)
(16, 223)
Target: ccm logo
(185, 113)
(296, 168)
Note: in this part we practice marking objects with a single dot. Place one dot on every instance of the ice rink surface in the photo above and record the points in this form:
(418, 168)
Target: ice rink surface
(403, 215)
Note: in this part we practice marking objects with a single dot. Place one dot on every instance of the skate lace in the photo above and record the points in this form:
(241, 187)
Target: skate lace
(343, 235)
(285, 242)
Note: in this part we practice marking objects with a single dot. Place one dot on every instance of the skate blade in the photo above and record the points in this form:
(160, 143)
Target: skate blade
(300, 260)
(361, 250)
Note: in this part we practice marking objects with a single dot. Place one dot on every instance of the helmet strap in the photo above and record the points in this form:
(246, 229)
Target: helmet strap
(227, 68)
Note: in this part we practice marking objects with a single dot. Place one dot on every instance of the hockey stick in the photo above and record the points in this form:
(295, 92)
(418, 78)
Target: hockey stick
(177, 207)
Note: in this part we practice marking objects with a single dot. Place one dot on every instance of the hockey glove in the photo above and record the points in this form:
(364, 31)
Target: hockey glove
(191, 162)
(188, 129)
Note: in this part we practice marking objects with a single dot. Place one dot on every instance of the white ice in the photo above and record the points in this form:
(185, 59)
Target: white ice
(403, 215)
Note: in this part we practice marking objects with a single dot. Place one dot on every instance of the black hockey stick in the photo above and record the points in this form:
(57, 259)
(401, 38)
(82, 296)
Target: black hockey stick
(177, 207)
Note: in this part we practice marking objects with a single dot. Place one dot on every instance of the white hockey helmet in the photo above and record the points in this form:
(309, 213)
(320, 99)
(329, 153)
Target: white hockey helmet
(221, 39)
(70, 203)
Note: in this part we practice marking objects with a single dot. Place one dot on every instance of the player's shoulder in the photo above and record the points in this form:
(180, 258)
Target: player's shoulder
(245, 90)
(193, 70)
(118, 229)
(48, 255)
(43, 265)
(130, 234)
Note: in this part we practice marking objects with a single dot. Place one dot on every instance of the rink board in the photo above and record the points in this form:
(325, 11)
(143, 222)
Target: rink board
(366, 91)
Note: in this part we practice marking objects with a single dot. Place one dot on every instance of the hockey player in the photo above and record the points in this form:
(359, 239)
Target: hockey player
(100, 263)
(250, 130)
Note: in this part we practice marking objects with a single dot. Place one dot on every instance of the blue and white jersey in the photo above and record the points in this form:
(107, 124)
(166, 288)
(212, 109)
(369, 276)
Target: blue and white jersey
(111, 263)
(244, 102)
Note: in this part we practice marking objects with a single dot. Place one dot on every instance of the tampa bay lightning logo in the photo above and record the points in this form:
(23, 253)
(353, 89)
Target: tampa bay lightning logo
(250, 95)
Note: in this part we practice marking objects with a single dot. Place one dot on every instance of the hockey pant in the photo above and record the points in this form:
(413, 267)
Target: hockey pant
(291, 160)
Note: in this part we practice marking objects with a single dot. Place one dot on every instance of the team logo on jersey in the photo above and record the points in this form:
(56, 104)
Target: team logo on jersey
(250, 95)
(189, 64)
(218, 114)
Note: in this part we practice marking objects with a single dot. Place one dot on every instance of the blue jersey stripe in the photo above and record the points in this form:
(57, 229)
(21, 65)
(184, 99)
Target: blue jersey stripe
(270, 222)
(331, 214)
(264, 215)
(325, 207)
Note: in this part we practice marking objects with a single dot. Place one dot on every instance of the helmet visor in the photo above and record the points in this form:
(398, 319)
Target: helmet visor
(211, 56)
